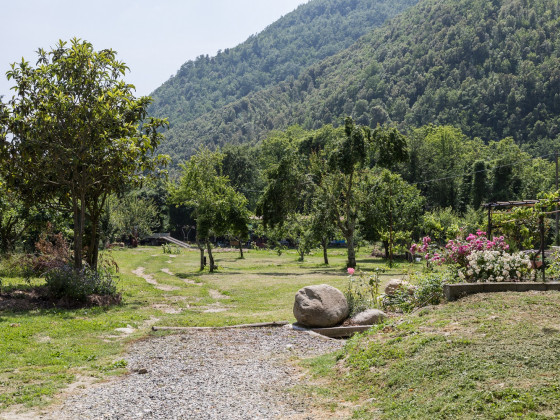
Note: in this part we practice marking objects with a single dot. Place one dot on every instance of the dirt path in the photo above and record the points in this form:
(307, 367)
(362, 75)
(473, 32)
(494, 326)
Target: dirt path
(151, 280)
(213, 374)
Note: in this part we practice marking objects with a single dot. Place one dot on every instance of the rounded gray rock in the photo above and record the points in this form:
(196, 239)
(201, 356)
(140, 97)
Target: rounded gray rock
(320, 306)
(368, 317)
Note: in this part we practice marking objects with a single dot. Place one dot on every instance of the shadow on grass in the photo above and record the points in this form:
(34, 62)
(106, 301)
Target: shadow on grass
(334, 272)
(34, 300)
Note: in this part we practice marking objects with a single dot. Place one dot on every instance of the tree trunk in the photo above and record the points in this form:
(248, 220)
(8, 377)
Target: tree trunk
(386, 248)
(241, 250)
(351, 252)
(79, 216)
(201, 256)
(93, 249)
(210, 257)
(324, 243)
(95, 209)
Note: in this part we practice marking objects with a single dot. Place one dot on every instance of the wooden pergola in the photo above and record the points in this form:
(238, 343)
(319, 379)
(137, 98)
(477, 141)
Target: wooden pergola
(522, 203)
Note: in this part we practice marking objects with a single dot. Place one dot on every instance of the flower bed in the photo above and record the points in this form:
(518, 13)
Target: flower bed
(479, 259)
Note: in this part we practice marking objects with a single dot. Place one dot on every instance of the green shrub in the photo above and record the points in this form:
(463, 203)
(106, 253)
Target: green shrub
(170, 249)
(362, 292)
(78, 285)
(17, 265)
(428, 291)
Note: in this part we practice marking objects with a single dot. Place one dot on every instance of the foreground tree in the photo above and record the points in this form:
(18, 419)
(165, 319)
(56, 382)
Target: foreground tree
(78, 135)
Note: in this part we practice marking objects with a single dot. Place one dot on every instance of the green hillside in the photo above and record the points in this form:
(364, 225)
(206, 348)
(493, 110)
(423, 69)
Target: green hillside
(314, 31)
(490, 68)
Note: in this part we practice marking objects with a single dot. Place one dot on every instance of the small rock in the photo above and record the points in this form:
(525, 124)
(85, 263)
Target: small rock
(368, 317)
(320, 306)
(395, 284)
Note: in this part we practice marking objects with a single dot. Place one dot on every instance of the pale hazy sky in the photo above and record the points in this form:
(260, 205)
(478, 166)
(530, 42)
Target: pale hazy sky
(153, 37)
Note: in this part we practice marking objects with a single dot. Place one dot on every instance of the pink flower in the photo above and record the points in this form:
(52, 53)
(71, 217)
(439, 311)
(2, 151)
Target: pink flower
(350, 270)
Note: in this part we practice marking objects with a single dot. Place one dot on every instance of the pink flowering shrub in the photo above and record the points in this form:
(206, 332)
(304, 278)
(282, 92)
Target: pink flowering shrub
(428, 249)
(459, 249)
(478, 258)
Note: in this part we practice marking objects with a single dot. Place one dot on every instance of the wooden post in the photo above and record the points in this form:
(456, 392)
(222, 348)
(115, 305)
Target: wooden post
(489, 230)
(556, 242)
(541, 226)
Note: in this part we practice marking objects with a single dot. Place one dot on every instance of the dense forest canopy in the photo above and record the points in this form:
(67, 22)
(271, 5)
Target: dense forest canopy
(490, 68)
(313, 32)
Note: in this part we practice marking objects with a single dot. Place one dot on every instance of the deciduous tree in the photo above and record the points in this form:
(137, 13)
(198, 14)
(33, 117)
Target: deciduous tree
(217, 207)
(78, 134)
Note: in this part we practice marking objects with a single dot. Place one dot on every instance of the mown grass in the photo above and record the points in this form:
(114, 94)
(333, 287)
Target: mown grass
(494, 356)
(44, 350)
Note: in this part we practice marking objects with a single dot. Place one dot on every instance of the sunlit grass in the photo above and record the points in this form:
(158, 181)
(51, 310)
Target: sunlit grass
(494, 356)
(44, 350)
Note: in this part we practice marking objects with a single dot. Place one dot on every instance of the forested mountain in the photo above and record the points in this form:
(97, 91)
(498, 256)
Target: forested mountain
(490, 68)
(312, 32)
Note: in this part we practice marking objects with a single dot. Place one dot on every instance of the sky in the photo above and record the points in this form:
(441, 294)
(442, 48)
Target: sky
(153, 37)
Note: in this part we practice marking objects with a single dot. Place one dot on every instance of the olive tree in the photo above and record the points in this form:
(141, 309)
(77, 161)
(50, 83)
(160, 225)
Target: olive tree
(77, 134)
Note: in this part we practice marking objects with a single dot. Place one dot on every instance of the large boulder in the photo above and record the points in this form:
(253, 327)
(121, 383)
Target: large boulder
(320, 306)
(368, 317)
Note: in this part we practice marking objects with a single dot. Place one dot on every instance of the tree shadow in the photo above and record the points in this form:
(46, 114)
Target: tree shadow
(36, 298)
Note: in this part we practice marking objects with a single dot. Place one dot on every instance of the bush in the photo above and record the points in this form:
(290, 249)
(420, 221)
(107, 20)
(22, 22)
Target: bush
(67, 282)
(429, 291)
(170, 249)
(497, 266)
(478, 259)
(18, 265)
(363, 291)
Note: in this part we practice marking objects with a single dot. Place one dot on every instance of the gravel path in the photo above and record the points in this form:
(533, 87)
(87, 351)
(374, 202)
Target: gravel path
(214, 374)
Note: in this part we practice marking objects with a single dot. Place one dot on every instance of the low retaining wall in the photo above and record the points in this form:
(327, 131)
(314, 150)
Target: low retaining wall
(456, 291)
(334, 332)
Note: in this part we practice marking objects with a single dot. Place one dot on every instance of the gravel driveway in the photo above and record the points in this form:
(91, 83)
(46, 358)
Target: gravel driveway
(209, 374)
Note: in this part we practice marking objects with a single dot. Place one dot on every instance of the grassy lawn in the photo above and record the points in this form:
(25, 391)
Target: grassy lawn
(44, 350)
(494, 356)
(486, 356)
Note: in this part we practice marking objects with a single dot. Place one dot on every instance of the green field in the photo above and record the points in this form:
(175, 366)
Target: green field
(486, 356)
(45, 350)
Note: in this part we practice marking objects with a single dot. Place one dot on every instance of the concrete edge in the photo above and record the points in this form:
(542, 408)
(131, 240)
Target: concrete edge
(454, 292)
